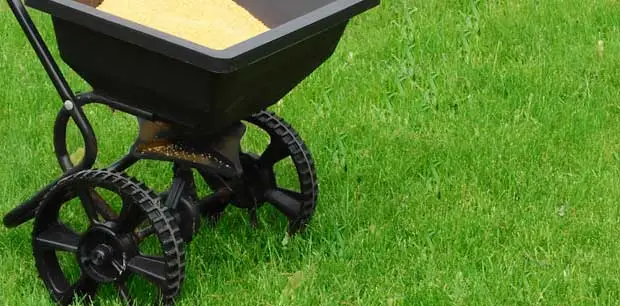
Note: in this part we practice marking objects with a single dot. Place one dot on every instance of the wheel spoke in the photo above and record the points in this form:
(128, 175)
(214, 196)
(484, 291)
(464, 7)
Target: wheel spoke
(130, 217)
(143, 234)
(102, 207)
(151, 268)
(58, 237)
(84, 290)
(87, 203)
(275, 152)
(94, 205)
(286, 201)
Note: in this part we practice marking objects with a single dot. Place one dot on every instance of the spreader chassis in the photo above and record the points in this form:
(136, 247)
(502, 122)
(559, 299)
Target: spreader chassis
(109, 250)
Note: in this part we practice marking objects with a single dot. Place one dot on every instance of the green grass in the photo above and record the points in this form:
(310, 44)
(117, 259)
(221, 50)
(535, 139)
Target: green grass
(468, 154)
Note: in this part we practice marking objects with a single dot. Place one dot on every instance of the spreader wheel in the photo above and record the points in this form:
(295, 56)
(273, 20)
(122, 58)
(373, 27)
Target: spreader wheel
(132, 247)
(259, 184)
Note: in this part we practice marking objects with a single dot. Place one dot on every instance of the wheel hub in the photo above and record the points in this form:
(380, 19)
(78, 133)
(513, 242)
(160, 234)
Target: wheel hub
(102, 254)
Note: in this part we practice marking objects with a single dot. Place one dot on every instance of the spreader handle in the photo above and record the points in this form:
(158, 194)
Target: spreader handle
(26, 210)
(70, 103)
(41, 49)
(71, 109)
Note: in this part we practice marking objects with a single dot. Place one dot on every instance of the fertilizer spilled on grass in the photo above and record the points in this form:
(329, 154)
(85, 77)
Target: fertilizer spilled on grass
(217, 24)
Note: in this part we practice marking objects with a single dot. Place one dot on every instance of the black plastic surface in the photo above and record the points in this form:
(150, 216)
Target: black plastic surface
(192, 85)
(277, 12)
(332, 13)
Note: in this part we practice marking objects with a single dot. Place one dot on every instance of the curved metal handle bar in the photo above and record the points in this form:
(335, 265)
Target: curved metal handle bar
(88, 135)
(60, 144)
(60, 83)
(60, 140)
(41, 49)
(60, 132)
(27, 210)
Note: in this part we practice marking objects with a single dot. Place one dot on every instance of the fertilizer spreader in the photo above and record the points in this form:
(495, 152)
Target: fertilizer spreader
(193, 104)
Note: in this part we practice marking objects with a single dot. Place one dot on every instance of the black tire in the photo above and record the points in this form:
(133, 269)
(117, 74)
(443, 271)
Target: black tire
(139, 204)
(281, 131)
(259, 185)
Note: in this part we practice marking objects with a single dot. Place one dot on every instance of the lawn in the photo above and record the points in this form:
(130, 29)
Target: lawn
(468, 153)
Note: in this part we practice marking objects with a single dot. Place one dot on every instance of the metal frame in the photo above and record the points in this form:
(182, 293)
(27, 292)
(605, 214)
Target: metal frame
(237, 181)
(242, 179)
(62, 119)
(27, 210)
(72, 109)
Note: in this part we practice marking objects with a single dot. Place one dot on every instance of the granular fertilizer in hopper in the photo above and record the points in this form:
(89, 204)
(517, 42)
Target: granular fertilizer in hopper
(217, 24)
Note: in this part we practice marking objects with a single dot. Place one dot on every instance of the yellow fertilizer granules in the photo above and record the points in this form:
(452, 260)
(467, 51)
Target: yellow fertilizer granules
(217, 24)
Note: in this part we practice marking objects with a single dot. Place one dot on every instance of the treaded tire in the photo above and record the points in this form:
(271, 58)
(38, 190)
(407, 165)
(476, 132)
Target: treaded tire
(165, 229)
(278, 128)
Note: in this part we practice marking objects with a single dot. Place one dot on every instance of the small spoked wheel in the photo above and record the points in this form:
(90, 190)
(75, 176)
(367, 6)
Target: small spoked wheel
(98, 231)
(260, 183)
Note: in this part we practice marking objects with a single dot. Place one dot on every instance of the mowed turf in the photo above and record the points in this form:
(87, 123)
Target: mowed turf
(468, 154)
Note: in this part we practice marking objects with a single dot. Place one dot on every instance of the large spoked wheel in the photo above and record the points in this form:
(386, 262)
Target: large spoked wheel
(132, 248)
(260, 183)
